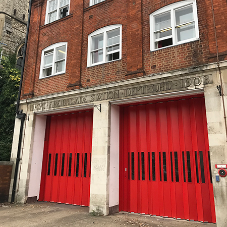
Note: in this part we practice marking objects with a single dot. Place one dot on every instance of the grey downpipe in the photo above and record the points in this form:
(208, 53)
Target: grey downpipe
(22, 118)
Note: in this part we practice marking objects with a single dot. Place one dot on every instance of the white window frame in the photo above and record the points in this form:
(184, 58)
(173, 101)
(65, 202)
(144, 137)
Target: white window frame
(49, 48)
(94, 2)
(58, 11)
(171, 8)
(104, 32)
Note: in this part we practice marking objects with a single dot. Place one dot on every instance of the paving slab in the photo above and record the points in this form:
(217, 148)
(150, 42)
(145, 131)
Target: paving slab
(56, 215)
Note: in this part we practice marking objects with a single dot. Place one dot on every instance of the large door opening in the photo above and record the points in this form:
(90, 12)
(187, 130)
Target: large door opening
(67, 158)
(164, 160)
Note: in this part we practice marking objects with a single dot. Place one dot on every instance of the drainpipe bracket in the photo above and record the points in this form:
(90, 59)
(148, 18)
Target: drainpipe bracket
(21, 115)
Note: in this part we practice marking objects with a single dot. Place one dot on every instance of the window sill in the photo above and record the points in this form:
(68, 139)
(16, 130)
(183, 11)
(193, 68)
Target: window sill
(102, 63)
(97, 5)
(56, 21)
(189, 41)
(56, 74)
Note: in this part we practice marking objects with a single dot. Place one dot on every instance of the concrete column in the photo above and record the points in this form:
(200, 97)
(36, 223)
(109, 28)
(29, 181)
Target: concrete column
(218, 145)
(24, 165)
(100, 161)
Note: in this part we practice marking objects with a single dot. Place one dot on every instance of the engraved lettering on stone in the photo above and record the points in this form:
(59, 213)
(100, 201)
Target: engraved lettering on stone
(116, 94)
(99, 97)
(150, 88)
(65, 102)
(104, 95)
(128, 92)
(134, 91)
(145, 89)
(122, 94)
(156, 87)
(188, 82)
(162, 85)
(206, 80)
(197, 81)
(110, 95)
(92, 98)
(84, 99)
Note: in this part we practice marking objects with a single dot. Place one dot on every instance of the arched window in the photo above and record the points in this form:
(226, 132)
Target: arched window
(104, 45)
(53, 60)
(174, 24)
(20, 54)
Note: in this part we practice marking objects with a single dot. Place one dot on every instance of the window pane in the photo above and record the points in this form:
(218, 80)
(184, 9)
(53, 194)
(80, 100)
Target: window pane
(184, 15)
(64, 2)
(97, 42)
(64, 12)
(60, 66)
(48, 58)
(97, 1)
(47, 71)
(164, 43)
(113, 37)
(186, 32)
(60, 53)
(97, 56)
(116, 47)
(52, 5)
(162, 21)
(159, 35)
(52, 16)
(114, 40)
(112, 57)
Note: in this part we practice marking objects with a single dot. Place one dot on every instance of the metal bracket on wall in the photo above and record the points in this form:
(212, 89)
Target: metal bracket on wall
(219, 90)
(98, 107)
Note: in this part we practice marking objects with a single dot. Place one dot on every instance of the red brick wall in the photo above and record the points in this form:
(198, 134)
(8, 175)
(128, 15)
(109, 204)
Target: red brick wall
(137, 59)
(5, 178)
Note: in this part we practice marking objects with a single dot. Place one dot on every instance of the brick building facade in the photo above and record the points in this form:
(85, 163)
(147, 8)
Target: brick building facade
(109, 58)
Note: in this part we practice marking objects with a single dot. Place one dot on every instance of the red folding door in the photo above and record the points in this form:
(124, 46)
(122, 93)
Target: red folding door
(67, 159)
(164, 160)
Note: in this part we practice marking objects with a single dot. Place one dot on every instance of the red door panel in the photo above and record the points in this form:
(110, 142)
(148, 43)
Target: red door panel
(164, 160)
(67, 158)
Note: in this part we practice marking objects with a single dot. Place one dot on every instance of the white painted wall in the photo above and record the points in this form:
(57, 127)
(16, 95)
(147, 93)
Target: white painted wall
(37, 156)
(114, 157)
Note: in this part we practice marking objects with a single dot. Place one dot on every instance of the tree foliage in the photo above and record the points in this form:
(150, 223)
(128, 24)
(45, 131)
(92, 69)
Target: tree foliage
(9, 86)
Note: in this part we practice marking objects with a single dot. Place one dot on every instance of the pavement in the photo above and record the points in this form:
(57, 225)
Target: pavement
(53, 215)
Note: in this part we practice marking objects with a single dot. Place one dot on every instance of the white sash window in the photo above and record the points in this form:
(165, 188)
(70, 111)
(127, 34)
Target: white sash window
(104, 45)
(53, 60)
(174, 24)
(56, 9)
